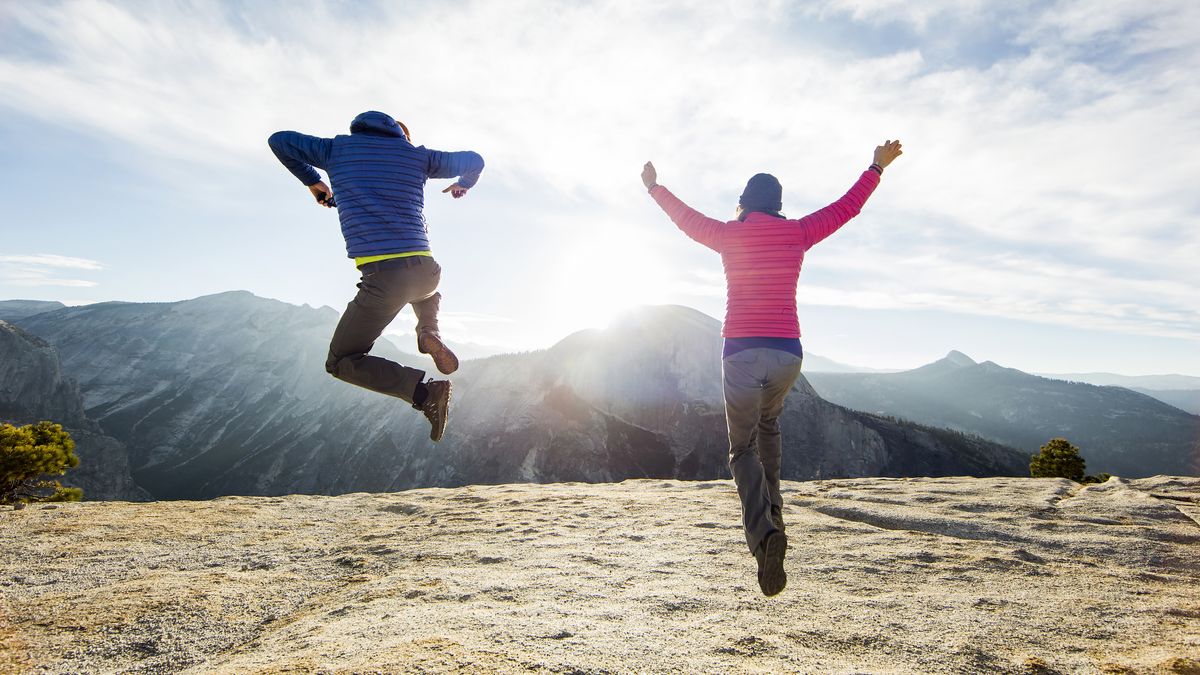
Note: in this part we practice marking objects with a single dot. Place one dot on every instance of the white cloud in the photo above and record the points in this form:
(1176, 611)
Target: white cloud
(916, 14)
(42, 269)
(51, 260)
(1142, 27)
(1079, 143)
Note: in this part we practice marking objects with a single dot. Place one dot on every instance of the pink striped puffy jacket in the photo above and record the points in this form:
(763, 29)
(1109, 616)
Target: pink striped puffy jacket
(762, 256)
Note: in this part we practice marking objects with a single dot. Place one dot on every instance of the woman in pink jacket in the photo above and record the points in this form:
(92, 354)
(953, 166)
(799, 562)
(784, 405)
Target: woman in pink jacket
(762, 253)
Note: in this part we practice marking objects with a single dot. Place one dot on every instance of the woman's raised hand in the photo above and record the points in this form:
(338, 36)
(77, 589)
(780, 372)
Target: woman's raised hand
(649, 176)
(885, 153)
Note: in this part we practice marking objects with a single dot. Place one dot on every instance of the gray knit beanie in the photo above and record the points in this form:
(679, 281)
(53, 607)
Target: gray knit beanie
(763, 193)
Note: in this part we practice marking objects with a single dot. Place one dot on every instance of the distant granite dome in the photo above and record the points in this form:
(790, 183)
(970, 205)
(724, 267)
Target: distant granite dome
(959, 359)
(12, 310)
(951, 363)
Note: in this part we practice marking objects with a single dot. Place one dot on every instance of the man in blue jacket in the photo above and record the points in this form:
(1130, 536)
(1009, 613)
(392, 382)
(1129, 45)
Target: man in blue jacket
(378, 187)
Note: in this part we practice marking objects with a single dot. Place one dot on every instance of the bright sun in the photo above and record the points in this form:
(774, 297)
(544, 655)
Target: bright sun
(600, 275)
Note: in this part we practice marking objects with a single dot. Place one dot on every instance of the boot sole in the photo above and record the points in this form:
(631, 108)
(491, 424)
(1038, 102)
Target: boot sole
(772, 578)
(436, 432)
(445, 360)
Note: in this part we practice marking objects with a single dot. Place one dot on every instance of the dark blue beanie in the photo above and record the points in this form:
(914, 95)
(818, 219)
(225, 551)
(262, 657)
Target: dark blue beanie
(763, 193)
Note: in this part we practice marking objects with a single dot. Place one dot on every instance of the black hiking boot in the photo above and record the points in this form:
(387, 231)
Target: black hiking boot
(430, 342)
(436, 407)
(772, 578)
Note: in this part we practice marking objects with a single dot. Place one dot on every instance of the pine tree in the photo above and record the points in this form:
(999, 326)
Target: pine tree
(1058, 459)
(28, 455)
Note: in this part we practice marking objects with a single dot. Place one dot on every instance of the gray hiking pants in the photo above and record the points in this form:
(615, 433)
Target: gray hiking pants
(756, 383)
(385, 288)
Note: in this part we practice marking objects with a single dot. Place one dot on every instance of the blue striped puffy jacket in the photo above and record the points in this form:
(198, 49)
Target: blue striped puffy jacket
(378, 180)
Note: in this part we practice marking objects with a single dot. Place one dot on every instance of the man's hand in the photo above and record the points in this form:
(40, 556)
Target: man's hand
(649, 176)
(456, 190)
(323, 194)
(885, 153)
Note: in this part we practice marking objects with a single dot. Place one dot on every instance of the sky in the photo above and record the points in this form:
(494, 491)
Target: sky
(1044, 214)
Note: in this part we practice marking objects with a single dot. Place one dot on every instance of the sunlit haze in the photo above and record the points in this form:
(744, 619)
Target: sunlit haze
(1044, 214)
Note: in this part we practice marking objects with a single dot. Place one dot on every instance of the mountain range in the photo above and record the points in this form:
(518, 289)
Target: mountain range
(1118, 430)
(227, 394)
(1181, 391)
(1155, 382)
(1187, 400)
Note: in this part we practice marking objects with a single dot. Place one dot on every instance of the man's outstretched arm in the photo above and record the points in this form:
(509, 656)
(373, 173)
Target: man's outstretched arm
(465, 166)
(820, 224)
(694, 224)
(300, 153)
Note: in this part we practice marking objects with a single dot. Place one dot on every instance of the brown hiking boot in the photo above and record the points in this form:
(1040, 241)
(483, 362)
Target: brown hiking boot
(430, 342)
(436, 407)
(772, 578)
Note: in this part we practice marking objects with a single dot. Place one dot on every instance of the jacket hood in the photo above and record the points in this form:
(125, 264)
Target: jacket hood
(374, 122)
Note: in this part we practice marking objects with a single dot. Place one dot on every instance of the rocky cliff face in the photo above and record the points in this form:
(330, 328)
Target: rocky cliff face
(1117, 430)
(31, 380)
(33, 388)
(227, 394)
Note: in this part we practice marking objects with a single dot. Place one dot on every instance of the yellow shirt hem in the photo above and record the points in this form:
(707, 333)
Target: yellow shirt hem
(359, 262)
